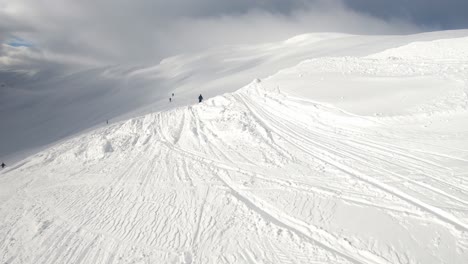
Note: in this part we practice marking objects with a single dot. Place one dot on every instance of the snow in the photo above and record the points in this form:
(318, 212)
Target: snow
(40, 106)
(344, 159)
(444, 49)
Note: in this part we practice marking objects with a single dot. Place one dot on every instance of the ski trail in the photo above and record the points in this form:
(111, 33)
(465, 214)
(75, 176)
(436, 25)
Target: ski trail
(445, 216)
(311, 233)
(302, 229)
(257, 176)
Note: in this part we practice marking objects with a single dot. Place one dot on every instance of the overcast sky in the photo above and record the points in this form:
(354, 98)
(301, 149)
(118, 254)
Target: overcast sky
(95, 32)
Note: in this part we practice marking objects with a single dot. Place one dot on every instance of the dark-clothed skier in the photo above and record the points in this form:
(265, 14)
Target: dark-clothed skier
(3, 165)
(200, 98)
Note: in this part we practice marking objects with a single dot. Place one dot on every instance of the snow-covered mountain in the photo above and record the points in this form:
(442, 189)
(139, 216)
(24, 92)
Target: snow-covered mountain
(343, 149)
(40, 106)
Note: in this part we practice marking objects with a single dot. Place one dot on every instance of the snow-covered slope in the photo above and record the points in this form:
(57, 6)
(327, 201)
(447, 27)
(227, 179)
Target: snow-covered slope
(38, 107)
(444, 49)
(335, 160)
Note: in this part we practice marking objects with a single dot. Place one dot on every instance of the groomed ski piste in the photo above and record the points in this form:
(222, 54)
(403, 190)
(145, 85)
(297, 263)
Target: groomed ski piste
(355, 159)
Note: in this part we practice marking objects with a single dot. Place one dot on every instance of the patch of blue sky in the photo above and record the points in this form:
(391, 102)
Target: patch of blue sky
(19, 42)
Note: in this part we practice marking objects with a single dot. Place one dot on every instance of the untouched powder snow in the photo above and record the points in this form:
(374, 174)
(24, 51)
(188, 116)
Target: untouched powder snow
(335, 160)
(445, 49)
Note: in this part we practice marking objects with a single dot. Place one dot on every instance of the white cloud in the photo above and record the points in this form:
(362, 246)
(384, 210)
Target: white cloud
(145, 31)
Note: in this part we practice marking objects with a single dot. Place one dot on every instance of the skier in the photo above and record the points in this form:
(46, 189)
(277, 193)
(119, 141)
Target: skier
(170, 99)
(200, 98)
(3, 165)
(172, 94)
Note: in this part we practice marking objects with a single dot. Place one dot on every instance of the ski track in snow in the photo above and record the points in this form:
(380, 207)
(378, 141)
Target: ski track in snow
(257, 176)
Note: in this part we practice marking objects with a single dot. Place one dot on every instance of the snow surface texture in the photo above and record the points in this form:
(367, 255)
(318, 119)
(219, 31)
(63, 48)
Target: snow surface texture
(335, 160)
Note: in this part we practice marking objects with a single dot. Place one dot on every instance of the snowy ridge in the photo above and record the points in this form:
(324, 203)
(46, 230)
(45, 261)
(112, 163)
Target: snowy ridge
(187, 186)
(444, 49)
(335, 160)
(39, 108)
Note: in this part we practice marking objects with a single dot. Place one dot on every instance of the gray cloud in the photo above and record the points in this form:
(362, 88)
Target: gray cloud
(434, 14)
(144, 31)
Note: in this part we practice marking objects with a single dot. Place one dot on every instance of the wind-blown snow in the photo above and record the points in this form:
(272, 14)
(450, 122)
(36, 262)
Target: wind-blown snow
(335, 160)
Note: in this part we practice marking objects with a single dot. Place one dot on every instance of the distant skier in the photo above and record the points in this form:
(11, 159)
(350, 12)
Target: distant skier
(170, 99)
(200, 98)
(3, 165)
(172, 94)
(107, 121)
